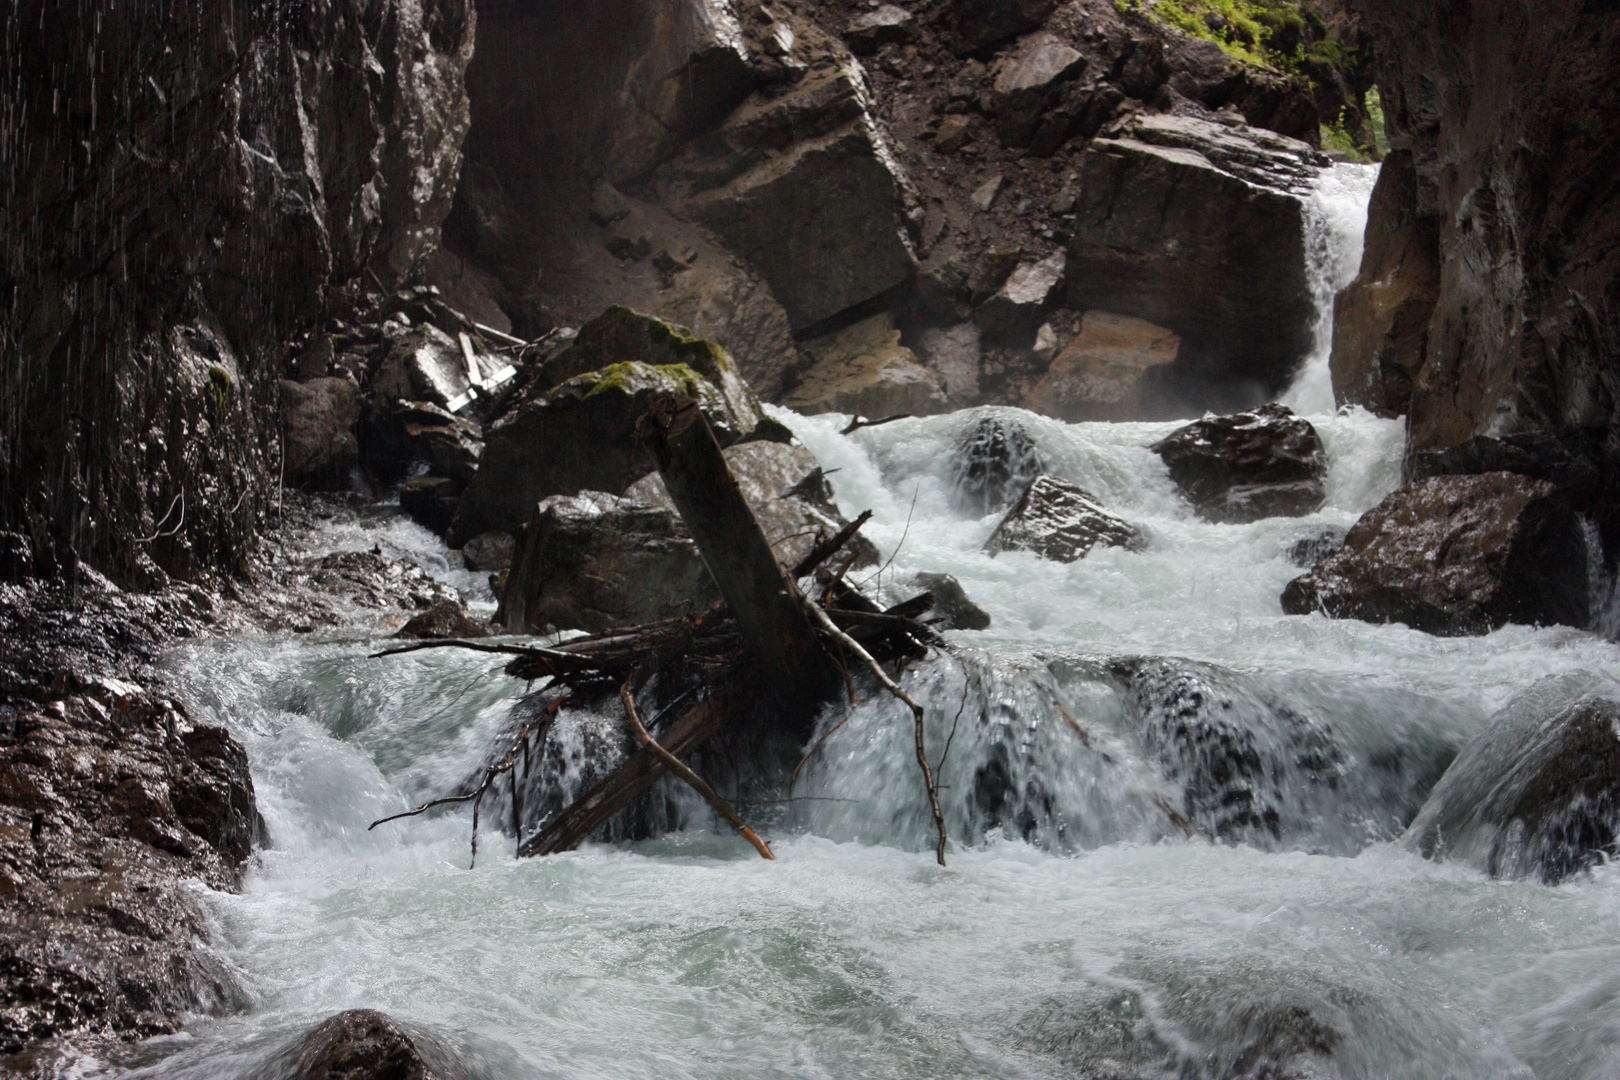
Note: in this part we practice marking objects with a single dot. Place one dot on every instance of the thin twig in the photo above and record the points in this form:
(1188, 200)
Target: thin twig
(858, 422)
(697, 783)
(894, 688)
(960, 709)
(812, 751)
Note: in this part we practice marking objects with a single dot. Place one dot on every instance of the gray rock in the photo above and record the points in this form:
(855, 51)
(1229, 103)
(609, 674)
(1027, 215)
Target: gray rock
(1019, 308)
(1248, 466)
(1537, 793)
(1307, 551)
(1456, 555)
(954, 353)
(581, 435)
(402, 436)
(1027, 83)
(871, 30)
(984, 196)
(425, 364)
(593, 561)
(1061, 521)
(489, 551)
(980, 23)
(1196, 227)
(317, 424)
(446, 619)
(952, 602)
(362, 1044)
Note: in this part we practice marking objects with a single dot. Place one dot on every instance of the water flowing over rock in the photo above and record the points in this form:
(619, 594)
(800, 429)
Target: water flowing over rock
(1537, 793)
(1061, 521)
(1179, 222)
(1253, 465)
(952, 602)
(363, 1044)
(580, 435)
(1456, 555)
(994, 464)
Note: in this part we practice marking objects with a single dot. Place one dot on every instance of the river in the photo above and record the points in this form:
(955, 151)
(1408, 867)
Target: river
(1076, 931)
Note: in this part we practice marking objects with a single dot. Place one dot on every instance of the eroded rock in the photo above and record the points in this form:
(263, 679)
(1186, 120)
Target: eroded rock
(1061, 521)
(1536, 794)
(865, 371)
(1248, 466)
(1456, 555)
(1107, 372)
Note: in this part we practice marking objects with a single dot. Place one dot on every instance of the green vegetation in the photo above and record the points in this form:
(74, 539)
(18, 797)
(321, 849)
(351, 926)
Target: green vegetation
(1375, 120)
(633, 375)
(1280, 34)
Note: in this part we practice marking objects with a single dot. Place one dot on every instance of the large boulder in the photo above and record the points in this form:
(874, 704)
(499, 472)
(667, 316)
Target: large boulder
(593, 561)
(363, 1044)
(401, 437)
(317, 425)
(1198, 227)
(865, 371)
(994, 463)
(1107, 372)
(1061, 521)
(1381, 319)
(1537, 793)
(1027, 80)
(581, 435)
(1456, 555)
(1248, 466)
(422, 364)
(1019, 307)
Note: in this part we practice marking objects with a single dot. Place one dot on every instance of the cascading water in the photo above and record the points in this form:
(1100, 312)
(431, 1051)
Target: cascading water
(1114, 706)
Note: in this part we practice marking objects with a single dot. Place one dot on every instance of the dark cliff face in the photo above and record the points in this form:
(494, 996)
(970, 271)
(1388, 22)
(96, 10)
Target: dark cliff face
(187, 189)
(1511, 116)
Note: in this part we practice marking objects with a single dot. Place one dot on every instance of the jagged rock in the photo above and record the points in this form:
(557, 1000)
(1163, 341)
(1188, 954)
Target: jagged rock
(489, 551)
(984, 196)
(1381, 319)
(1019, 307)
(1027, 81)
(446, 619)
(1107, 372)
(317, 425)
(593, 561)
(952, 602)
(806, 189)
(1061, 521)
(885, 25)
(1247, 764)
(955, 132)
(1248, 466)
(362, 1044)
(1456, 555)
(979, 23)
(1307, 551)
(431, 501)
(425, 364)
(401, 436)
(1180, 222)
(581, 435)
(1536, 794)
(785, 488)
(994, 463)
(864, 370)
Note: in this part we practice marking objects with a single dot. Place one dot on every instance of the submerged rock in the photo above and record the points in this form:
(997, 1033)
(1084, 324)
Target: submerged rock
(363, 1044)
(581, 435)
(1248, 466)
(1456, 555)
(994, 464)
(1537, 793)
(952, 603)
(1061, 521)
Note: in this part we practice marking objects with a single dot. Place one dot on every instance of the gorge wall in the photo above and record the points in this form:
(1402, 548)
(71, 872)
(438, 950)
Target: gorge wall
(189, 190)
(1488, 306)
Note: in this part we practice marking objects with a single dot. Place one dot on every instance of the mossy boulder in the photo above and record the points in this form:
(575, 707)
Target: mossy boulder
(580, 435)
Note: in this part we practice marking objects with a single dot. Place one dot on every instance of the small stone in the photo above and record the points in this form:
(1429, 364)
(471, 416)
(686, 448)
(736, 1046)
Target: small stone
(607, 205)
(885, 25)
(954, 132)
(984, 196)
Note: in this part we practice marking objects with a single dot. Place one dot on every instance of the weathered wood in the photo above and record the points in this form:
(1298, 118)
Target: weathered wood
(619, 788)
(794, 670)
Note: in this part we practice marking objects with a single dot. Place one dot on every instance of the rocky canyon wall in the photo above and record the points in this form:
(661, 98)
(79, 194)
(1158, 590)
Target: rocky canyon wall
(1488, 307)
(188, 190)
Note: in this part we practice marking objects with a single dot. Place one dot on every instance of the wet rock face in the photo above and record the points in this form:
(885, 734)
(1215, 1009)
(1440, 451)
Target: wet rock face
(1178, 221)
(1456, 555)
(1249, 767)
(1248, 466)
(108, 801)
(1061, 521)
(317, 422)
(581, 435)
(363, 1044)
(863, 370)
(255, 161)
(1522, 332)
(1107, 372)
(995, 462)
(1537, 793)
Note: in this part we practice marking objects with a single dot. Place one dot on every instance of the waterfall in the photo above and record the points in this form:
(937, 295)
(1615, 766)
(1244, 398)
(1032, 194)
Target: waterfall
(1335, 227)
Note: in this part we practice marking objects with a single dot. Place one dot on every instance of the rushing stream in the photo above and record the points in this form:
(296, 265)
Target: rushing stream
(1076, 933)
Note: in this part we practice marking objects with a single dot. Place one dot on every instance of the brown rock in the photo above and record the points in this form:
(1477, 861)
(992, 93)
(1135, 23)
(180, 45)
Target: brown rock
(362, 1044)
(1248, 466)
(489, 551)
(954, 132)
(979, 23)
(317, 424)
(1061, 521)
(865, 371)
(1456, 555)
(446, 619)
(1106, 372)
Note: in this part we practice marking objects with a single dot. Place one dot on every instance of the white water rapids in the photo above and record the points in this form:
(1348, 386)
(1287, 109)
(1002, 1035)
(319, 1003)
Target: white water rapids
(1076, 933)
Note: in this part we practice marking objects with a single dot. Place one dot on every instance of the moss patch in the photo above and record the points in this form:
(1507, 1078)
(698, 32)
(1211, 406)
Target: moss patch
(1280, 34)
(634, 375)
